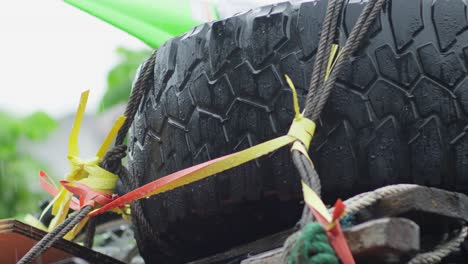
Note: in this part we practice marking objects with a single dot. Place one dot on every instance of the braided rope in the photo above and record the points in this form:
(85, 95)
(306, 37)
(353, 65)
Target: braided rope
(442, 250)
(140, 88)
(320, 64)
(316, 102)
(312, 247)
(364, 200)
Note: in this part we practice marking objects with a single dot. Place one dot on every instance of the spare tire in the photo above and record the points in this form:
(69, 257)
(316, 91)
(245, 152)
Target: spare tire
(398, 114)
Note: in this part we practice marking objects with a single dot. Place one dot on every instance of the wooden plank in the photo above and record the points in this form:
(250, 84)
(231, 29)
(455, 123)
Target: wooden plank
(16, 238)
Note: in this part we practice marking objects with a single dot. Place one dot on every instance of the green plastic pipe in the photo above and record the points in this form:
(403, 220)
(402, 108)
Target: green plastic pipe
(152, 21)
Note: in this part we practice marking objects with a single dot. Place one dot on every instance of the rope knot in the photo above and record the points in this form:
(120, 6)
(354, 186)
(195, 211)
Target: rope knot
(113, 158)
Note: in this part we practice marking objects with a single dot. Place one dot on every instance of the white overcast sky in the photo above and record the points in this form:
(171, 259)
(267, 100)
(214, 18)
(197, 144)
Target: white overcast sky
(50, 52)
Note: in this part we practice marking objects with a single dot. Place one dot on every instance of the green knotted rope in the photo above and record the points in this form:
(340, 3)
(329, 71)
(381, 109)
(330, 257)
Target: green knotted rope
(312, 247)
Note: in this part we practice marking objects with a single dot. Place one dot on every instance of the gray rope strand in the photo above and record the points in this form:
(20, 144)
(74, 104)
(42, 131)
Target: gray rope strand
(317, 75)
(312, 109)
(442, 250)
(330, 40)
(134, 101)
(312, 96)
(90, 232)
(370, 12)
(306, 171)
(364, 200)
(48, 240)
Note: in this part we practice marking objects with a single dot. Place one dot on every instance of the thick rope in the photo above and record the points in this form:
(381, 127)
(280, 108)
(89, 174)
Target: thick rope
(305, 170)
(364, 200)
(315, 103)
(317, 97)
(112, 161)
(139, 90)
(442, 250)
(320, 64)
(48, 240)
(312, 247)
(327, 37)
(90, 232)
(320, 89)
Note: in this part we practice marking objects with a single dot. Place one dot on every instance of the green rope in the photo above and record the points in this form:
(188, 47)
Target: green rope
(312, 247)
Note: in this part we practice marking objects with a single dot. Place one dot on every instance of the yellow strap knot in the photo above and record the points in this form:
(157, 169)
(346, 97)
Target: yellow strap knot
(85, 171)
(301, 128)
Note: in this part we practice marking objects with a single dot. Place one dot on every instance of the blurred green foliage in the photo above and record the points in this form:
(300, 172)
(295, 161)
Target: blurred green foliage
(121, 76)
(18, 169)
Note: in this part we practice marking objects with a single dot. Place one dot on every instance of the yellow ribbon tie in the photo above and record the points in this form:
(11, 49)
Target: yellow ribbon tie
(83, 171)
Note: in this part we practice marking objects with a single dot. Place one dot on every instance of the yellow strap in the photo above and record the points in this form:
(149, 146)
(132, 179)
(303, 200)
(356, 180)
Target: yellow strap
(76, 229)
(110, 136)
(295, 99)
(85, 171)
(312, 200)
(228, 163)
(33, 221)
(332, 59)
(63, 203)
(73, 141)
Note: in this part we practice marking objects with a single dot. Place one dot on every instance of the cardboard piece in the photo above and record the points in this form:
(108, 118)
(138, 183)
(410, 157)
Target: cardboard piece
(16, 238)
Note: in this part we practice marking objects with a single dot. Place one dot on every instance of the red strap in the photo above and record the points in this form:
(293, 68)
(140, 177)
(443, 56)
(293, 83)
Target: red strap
(339, 210)
(87, 195)
(335, 234)
(52, 190)
(145, 190)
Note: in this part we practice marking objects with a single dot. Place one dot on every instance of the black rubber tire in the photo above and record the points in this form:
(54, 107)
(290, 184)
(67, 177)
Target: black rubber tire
(398, 114)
